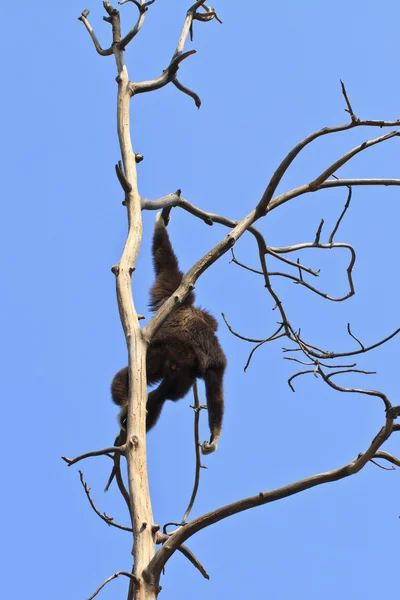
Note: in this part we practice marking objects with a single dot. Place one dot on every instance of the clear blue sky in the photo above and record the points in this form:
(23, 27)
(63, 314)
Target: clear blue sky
(267, 77)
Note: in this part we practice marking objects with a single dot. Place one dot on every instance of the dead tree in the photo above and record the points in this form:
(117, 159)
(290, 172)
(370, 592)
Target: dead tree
(149, 562)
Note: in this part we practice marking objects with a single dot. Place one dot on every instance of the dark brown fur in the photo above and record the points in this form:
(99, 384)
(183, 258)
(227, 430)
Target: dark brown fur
(184, 348)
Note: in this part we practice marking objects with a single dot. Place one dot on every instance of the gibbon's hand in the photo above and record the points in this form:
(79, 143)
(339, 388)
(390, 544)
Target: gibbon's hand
(208, 448)
(160, 223)
(163, 218)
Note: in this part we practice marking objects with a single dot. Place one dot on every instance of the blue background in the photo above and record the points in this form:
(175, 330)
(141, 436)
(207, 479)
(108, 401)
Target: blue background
(267, 78)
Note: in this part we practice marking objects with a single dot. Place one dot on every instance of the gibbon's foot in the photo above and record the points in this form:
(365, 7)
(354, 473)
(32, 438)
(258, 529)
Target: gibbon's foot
(208, 448)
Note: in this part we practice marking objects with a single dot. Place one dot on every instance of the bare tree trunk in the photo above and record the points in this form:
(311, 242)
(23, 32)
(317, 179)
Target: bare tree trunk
(139, 495)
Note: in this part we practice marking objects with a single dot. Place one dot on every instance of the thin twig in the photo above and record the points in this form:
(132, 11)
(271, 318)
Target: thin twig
(242, 337)
(301, 280)
(315, 362)
(274, 252)
(381, 466)
(117, 574)
(319, 231)
(339, 388)
(349, 107)
(298, 375)
(183, 88)
(105, 451)
(163, 537)
(346, 206)
(270, 339)
(389, 457)
(331, 246)
(354, 337)
(197, 409)
(109, 520)
(235, 260)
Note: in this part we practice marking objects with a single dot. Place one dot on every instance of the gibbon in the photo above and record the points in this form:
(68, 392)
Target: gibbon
(183, 349)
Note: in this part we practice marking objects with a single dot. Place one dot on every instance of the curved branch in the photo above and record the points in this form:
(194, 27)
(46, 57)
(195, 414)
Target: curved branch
(197, 408)
(166, 76)
(331, 183)
(92, 34)
(389, 457)
(314, 185)
(339, 388)
(109, 520)
(163, 537)
(183, 88)
(105, 451)
(264, 203)
(117, 574)
(142, 7)
(276, 251)
(181, 535)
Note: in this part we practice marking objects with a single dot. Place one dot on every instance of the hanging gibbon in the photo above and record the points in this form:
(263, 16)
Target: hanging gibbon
(183, 349)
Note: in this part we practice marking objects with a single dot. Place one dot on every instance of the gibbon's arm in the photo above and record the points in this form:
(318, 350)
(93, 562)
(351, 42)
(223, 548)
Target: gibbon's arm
(164, 257)
(168, 275)
(215, 404)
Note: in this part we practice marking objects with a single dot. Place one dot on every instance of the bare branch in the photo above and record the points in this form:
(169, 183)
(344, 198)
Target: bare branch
(270, 339)
(346, 206)
(234, 260)
(184, 533)
(389, 457)
(142, 7)
(163, 537)
(176, 200)
(275, 253)
(349, 108)
(314, 185)
(305, 189)
(339, 388)
(211, 9)
(298, 375)
(103, 516)
(116, 470)
(315, 362)
(264, 204)
(117, 574)
(187, 91)
(105, 451)
(381, 466)
(115, 23)
(92, 34)
(354, 337)
(242, 337)
(355, 352)
(319, 231)
(296, 247)
(197, 408)
(119, 170)
(167, 75)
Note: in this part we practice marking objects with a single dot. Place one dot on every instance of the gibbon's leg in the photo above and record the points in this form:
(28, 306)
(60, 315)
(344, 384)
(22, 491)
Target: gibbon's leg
(119, 393)
(168, 275)
(155, 402)
(171, 388)
(157, 365)
(215, 405)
